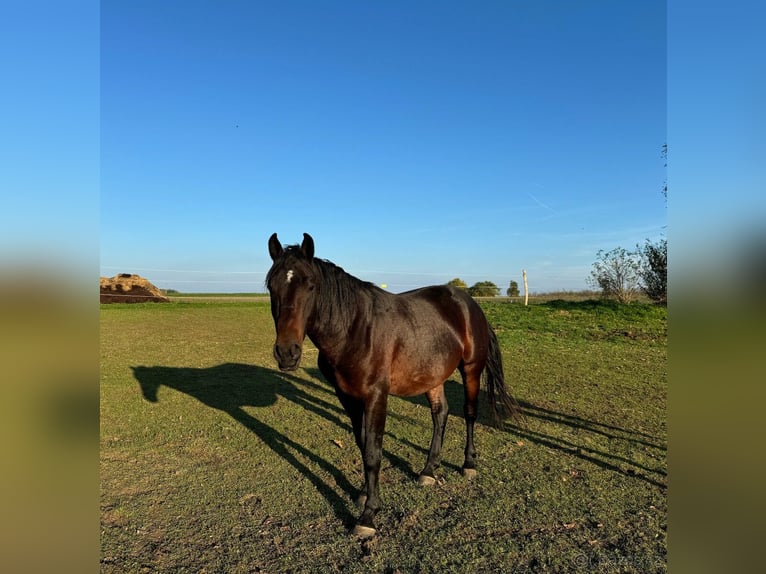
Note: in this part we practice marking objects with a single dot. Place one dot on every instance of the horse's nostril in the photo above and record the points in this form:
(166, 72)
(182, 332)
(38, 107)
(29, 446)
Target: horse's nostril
(287, 355)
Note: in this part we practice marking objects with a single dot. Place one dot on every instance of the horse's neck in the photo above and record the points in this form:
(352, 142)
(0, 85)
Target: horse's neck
(332, 320)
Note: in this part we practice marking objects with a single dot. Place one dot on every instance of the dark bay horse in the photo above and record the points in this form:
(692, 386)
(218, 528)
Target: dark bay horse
(372, 343)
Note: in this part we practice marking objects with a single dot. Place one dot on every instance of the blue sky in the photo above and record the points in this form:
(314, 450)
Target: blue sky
(504, 137)
(49, 128)
(416, 142)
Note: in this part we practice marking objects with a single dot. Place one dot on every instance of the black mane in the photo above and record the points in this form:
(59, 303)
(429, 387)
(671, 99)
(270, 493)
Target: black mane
(339, 290)
(338, 284)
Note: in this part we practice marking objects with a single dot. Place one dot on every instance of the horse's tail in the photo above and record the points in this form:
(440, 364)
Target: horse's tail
(503, 405)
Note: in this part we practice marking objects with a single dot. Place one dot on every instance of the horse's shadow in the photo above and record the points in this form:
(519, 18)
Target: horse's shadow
(551, 439)
(231, 387)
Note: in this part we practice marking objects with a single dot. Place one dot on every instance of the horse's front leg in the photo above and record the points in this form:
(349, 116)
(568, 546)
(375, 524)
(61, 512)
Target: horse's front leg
(374, 427)
(355, 410)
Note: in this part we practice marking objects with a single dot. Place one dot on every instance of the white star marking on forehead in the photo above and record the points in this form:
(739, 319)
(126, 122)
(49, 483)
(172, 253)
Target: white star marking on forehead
(290, 274)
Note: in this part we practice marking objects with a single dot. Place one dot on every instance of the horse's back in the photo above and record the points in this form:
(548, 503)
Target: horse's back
(454, 306)
(441, 328)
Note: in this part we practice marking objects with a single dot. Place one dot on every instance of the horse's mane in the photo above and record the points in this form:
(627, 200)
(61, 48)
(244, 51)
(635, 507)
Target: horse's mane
(338, 290)
(339, 286)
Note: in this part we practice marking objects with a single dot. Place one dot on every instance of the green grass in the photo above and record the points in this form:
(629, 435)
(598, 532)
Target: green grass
(218, 297)
(212, 461)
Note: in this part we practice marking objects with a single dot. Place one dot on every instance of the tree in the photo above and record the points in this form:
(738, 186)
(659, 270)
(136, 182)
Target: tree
(653, 270)
(459, 283)
(616, 273)
(484, 289)
(513, 289)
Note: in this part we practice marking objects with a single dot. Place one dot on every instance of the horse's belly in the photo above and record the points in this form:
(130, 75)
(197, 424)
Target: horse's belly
(423, 362)
(408, 382)
(413, 388)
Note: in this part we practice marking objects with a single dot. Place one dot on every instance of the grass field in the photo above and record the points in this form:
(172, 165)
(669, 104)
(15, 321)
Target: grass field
(213, 461)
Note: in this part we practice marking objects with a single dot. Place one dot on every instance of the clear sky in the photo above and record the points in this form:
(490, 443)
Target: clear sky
(415, 141)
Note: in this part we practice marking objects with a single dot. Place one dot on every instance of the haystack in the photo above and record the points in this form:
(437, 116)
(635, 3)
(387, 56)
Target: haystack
(130, 288)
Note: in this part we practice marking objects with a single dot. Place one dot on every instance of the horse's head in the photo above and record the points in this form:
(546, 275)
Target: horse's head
(291, 281)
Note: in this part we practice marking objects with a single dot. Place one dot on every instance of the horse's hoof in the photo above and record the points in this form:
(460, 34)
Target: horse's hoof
(363, 531)
(361, 500)
(469, 473)
(425, 480)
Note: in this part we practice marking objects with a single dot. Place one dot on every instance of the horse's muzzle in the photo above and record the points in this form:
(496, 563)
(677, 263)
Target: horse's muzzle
(288, 357)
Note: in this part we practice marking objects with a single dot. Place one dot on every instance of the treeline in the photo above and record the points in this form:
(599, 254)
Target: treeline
(617, 274)
(484, 288)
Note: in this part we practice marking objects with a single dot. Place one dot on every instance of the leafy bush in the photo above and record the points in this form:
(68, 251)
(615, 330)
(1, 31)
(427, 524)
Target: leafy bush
(459, 283)
(616, 274)
(484, 289)
(654, 270)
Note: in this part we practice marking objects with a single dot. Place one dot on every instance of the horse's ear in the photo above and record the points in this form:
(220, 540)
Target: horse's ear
(275, 247)
(308, 246)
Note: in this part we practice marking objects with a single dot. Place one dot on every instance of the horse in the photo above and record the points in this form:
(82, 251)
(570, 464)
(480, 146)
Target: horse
(373, 343)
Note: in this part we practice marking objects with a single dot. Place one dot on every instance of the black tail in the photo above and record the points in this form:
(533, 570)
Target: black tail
(503, 405)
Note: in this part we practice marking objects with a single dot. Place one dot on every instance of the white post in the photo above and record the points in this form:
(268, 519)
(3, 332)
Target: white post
(526, 291)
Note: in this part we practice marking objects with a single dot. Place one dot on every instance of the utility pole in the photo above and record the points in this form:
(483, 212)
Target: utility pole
(526, 291)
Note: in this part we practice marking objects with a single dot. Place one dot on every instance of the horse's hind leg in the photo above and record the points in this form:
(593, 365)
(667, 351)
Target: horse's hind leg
(471, 382)
(439, 411)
